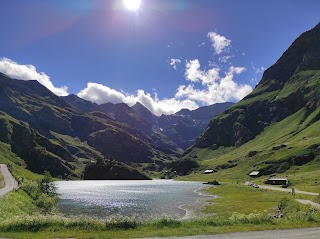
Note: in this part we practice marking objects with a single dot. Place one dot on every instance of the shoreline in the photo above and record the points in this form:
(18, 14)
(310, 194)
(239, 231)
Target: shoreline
(194, 210)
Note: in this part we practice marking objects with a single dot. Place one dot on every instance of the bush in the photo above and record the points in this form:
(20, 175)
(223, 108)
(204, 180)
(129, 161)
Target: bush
(43, 193)
(121, 223)
(167, 222)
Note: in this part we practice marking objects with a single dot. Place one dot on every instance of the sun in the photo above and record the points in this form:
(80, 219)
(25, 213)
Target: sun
(132, 5)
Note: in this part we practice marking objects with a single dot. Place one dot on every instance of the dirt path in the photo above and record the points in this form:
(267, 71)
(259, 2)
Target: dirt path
(10, 182)
(287, 190)
(308, 202)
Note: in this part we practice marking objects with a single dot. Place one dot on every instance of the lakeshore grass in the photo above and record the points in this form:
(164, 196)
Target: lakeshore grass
(84, 228)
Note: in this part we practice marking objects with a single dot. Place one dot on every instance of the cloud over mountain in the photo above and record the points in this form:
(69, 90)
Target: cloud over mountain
(29, 72)
(204, 85)
(99, 94)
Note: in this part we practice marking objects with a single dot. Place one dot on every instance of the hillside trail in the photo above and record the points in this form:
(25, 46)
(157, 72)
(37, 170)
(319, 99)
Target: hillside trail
(10, 182)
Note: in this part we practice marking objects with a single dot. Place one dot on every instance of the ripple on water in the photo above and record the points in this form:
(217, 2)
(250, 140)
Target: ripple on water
(142, 199)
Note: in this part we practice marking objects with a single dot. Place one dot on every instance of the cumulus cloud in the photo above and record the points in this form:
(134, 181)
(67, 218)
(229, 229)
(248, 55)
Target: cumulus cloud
(195, 74)
(219, 43)
(99, 94)
(215, 88)
(175, 62)
(29, 72)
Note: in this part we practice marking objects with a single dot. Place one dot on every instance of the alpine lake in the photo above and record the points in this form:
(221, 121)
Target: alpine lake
(139, 199)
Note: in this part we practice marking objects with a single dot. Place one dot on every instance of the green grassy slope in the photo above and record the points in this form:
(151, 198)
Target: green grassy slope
(299, 139)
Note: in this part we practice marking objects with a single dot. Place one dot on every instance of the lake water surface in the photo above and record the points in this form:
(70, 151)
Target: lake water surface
(141, 199)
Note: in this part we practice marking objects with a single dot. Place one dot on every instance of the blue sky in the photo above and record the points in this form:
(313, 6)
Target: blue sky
(168, 55)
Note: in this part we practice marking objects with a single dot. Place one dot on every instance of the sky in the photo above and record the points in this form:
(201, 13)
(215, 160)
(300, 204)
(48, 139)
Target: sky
(166, 54)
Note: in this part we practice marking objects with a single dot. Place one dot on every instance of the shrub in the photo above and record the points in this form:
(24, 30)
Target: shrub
(167, 222)
(121, 223)
(43, 193)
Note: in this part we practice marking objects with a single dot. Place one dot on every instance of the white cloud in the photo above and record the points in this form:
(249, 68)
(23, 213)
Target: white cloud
(219, 43)
(175, 62)
(29, 72)
(215, 88)
(102, 94)
(195, 74)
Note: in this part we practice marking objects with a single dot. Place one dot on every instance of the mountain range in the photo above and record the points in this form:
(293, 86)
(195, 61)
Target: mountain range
(72, 137)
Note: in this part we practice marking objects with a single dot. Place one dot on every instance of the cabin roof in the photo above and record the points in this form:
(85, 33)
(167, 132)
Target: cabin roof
(254, 173)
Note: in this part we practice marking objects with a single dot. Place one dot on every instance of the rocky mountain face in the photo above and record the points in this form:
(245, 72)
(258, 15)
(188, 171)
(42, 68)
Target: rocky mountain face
(50, 134)
(68, 135)
(287, 95)
(170, 133)
(185, 126)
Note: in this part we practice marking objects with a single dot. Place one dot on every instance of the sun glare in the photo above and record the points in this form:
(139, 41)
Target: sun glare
(132, 5)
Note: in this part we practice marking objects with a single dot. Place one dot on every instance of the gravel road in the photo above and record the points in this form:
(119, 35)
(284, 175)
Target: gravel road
(289, 190)
(10, 182)
(306, 233)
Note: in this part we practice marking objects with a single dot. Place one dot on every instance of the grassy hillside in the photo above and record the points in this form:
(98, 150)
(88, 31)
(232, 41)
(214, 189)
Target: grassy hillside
(290, 148)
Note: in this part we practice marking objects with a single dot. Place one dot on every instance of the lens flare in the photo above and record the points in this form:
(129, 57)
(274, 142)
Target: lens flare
(132, 5)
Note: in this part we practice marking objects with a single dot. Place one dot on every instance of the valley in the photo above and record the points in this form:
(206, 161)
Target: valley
(274, 131)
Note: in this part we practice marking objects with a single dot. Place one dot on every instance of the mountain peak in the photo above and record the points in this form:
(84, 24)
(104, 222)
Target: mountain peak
(144, 113)
(303, 54)
(140, 108)
(138, 104)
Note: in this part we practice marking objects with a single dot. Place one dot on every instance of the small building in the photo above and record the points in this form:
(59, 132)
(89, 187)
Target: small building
(276, 181)
(208, 171)
(254, 174)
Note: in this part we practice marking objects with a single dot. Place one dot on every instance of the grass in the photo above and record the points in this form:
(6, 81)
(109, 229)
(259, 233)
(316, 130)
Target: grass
(16, 204)
(246, 200)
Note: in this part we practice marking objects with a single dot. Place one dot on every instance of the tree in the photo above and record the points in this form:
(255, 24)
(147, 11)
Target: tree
(47, 186)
